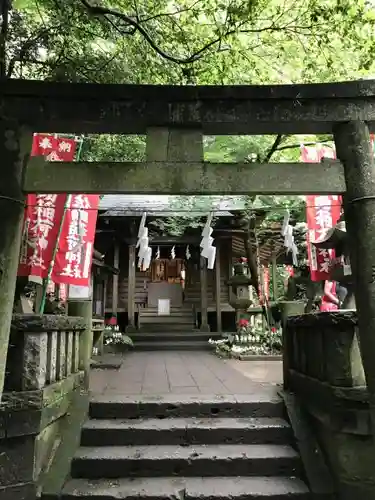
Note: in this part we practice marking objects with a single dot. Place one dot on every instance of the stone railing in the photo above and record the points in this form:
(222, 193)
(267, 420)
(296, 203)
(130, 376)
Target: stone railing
(98, 327)
(323, 372)
(44, 349)
(324, 347)
(44, 402)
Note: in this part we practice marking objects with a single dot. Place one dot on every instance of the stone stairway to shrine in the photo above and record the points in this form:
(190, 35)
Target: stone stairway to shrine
(186, 448)
(192, 340)
(175, 331)
(179, 319)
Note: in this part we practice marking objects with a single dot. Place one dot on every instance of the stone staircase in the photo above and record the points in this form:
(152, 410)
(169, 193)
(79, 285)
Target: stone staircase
(185, 448)
(180, 319)
(173, 341)
(169, 332)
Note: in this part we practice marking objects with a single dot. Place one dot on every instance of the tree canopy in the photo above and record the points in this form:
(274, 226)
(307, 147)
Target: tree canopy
(190, 42)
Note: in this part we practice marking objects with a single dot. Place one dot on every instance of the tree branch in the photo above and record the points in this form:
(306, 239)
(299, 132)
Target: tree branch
(103, 11)
(275, 147)
(295, 146)
(136, 24)
(28, 45)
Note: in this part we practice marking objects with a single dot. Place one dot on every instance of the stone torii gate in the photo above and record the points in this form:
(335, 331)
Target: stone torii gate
(174, 120)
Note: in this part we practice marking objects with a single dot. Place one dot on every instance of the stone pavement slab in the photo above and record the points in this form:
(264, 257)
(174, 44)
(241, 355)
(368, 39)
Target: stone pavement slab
(189, 373)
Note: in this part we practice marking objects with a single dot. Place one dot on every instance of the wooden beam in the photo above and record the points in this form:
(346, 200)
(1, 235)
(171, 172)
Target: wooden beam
(173, 178)
(116, 262)
(216, 110)
(131, 291)
(204, 299)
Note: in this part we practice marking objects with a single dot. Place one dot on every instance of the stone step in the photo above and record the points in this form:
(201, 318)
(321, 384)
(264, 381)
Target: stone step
(187, 335)
(181, 318)
(196, 460)
(121, 406)
(165, 328)
(172, 312)
(185, 431)
(190, 488)
(178, 345)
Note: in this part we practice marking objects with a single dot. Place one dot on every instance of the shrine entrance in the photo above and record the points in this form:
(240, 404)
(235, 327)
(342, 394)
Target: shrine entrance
(167, 282)
(338, 394)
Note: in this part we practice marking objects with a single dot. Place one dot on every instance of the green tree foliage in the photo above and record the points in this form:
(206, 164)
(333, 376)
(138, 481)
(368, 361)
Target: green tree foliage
(190, 42)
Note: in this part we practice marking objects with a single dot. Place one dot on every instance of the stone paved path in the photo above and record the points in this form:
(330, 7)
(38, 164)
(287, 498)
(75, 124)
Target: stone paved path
(190, 373)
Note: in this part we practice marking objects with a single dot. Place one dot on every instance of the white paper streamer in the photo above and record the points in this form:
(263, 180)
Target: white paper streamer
(288, 238)
(211, 258)
(142, 224)
(147, 259)
(285, 223)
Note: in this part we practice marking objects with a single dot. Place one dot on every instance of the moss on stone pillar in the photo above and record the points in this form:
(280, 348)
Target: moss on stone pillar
(15, 147)
(354, 150)
(83, 309)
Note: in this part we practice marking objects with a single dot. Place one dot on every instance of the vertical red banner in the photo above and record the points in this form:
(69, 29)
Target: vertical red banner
(43, 212)
(322, 213)
(74, 257)
(266, 280)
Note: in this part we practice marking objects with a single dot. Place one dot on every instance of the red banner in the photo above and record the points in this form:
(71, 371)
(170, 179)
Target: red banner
(43, 213)
(41, 227)
(322, 213)
(74, 257)
(51, 288)
(266, 280)
(53, 148)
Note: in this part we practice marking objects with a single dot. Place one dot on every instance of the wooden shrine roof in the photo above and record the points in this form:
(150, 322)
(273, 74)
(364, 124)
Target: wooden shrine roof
(162, 205)
(270, 240)
(216, 110)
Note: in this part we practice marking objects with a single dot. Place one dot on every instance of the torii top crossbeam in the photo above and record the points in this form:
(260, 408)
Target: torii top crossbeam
(215, 110)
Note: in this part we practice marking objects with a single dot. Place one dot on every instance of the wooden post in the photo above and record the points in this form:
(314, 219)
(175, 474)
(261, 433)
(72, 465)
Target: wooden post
(230, 269)
(218, 287)
(104, 296)
(131, 291)
(204, 302)
(83, 309)
(116, 263)
(274, 277)
(15, 147)
(354, 150)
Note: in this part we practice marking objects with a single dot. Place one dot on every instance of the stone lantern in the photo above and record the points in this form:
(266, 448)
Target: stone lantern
(240, 283)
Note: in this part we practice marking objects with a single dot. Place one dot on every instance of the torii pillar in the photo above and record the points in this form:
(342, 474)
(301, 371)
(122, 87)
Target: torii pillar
(354, 150)
(15, 147)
